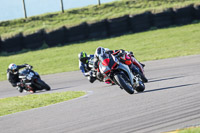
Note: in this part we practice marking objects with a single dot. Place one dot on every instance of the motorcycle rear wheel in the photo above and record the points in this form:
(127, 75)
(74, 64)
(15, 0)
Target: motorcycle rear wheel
(43, 85)
(141, 87)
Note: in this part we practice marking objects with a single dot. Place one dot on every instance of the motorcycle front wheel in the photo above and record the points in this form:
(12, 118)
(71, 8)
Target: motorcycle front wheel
(124, 83)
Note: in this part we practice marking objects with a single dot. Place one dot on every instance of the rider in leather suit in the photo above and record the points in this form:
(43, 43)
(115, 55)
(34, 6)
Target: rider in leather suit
(13, 75)
(84, 66)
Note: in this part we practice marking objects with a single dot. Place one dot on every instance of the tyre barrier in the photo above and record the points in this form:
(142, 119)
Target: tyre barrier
(118, 26)
(183, 15)
(12, 44)
(55, 37)
(77, 33)
(102, 29)
(163, 19)
(33, 41)
(141, 22)
(0, 45)
(197, 11)
(97, 29)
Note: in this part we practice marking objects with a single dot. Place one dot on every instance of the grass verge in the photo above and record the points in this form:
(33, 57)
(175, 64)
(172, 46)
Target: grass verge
(187, 130)
(190, 130)
(86, 14)
(150, 45)
(21, 103)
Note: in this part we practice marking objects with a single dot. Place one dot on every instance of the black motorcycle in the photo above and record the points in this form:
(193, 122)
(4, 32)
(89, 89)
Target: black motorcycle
(31, 81)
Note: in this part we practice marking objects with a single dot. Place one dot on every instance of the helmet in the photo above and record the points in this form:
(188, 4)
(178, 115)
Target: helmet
(99, 51)
(13, 68)
(107, 49)
(83, 57)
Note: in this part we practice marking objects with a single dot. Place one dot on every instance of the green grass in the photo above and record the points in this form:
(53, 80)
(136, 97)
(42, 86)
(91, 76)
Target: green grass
(21, 103)
(151, 45)
(86, 14)
(190, 130)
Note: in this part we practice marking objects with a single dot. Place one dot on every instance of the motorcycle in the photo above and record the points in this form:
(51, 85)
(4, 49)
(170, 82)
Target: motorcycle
(31, 81)
(120, 73)
(139, 67)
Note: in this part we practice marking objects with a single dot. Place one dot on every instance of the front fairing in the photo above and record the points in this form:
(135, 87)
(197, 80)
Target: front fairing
(23, 73)
(27, 75)
(106, 67)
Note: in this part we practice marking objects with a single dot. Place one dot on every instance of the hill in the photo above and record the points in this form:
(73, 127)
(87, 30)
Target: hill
(87, 14)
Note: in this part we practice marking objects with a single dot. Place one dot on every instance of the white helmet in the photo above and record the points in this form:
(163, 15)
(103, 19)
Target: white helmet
(107, 49)
(99, 51)
(13, 68)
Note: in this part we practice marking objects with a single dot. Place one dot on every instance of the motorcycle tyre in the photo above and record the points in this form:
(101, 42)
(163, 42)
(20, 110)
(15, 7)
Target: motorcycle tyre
(122, 83)
(141, 87)
(43, 85)
(144, 79)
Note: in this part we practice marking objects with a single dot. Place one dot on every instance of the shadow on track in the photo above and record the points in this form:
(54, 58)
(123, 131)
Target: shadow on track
(62, 88)
(171, 87)
(165, 79)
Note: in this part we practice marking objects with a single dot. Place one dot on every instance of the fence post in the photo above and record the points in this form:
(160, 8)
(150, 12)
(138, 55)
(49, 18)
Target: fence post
(25, 15)
(62, 7)
(99, 2)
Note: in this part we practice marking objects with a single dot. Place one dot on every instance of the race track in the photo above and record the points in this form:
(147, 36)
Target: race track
(171, 101)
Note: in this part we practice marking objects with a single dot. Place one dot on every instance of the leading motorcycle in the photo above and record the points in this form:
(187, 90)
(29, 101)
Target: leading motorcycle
(120, 73)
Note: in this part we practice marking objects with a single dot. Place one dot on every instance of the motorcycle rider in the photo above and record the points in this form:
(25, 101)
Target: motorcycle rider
(84, 66)
(13, 75)
(130, 60)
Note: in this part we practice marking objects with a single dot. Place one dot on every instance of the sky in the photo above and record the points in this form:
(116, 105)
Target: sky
(13, 9)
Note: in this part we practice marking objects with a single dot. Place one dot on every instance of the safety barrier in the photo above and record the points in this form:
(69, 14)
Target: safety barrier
(12, 44)
(197, 11)
(0, 45)
(55, 37)
(34, 40)
(140, 22)
(98, 29)
(77, 33)
(163, 19)
(183, 15)
(118, 26)
(102, 29)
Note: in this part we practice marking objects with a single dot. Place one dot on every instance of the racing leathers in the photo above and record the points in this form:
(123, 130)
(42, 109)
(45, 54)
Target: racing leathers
(88, 70)
(13, 78)
(129, 59)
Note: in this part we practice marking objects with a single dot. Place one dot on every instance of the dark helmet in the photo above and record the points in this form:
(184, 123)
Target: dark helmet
(13, 68)
(83, 57)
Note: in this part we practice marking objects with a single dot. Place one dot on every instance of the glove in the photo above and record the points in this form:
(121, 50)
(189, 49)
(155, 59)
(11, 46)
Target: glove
(119, 55)
(29, 66)
(122, 51)
(18, 84)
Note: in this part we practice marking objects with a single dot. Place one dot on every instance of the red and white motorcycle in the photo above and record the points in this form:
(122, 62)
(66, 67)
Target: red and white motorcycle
(120, 73)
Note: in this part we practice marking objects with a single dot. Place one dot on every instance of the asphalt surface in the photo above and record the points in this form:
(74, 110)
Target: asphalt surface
(171, 101)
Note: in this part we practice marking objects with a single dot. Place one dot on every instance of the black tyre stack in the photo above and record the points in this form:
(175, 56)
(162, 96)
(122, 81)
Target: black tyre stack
(197, 11)
(97, 29)
(0, 45)
(12, 44)
(77, 33)
(118, 26)
(55, 37)
(141, 22)
(184, 15)
(163, 19)
(34, 40)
